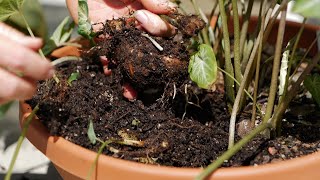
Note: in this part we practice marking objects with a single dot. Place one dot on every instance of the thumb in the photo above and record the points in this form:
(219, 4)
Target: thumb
(159, 6)
(16, 36)
(154, 24)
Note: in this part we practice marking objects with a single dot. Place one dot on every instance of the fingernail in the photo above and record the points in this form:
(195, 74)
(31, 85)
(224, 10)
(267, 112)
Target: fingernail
(141, 17)
(50, 73)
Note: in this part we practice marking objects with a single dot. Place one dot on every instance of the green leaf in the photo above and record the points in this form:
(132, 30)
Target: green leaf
(9, 7)
(84, 25)
(91, 134)
(61, 35)
(4, 108)
(73, 77)
(203, 67)
(33, 12)
(307, 8)
(312, 83)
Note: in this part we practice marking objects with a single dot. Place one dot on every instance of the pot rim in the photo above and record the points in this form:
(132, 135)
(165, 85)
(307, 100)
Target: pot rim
(53, 145)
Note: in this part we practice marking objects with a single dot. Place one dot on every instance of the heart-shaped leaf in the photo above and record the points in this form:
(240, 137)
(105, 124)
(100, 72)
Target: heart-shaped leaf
(203, 67)
(307, 8)
(9, 7)
(312, 83)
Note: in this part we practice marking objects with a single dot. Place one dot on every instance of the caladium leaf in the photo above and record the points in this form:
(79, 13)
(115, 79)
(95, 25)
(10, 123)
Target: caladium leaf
(203, 67)
(4, 108)
(85, 27)
(61, 35)
(312, 83)
(91, 134)
(307, 8)
(9, 7)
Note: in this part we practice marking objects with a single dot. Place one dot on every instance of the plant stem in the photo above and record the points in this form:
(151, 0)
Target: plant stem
(227, 52)
(237, 63)
(32, 35)
(204, 31)
(274, 18)
(248, 94)
(20, 140)
(245, 26)
(295, 47)
(306, 53)
(65, 59)
(243, 84)
(276, 66)
(230, 152)
(93, 166)
(292, 93)
(256, 79)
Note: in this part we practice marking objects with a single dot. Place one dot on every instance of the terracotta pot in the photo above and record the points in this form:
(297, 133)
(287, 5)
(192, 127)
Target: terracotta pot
(73, 162)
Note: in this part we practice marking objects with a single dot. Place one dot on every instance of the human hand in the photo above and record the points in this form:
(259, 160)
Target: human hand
(145, 12)
(18, 57)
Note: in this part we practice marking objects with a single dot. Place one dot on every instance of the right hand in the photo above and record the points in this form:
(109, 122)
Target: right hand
(145, 12)
(18, 56)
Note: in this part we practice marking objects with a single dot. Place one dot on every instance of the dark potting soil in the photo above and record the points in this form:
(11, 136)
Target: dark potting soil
(176, 123)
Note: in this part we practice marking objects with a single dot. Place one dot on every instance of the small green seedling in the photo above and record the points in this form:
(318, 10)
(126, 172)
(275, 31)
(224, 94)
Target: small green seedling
(73, 77)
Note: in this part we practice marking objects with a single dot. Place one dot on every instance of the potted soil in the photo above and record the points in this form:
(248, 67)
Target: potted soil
(172, 122)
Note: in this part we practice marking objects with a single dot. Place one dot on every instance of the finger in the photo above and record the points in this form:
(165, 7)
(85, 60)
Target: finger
(154, 24)
(17, 58)
(101, 10)
(16, 36)
(129, 92)
(15, 88)
(105, 63)
(159, 6)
